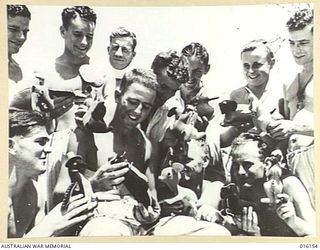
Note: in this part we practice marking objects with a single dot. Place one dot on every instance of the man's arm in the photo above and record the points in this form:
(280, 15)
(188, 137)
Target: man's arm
(297, 212)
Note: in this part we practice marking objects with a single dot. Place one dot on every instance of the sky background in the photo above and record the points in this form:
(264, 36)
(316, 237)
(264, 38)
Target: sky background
(223, 30)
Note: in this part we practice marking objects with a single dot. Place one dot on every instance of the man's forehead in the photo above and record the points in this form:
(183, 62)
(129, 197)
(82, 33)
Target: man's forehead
(138, 89)
(303, 34)
(122, 41)
(81, 23)
(19, 21)
(260, 52)
(38, 132)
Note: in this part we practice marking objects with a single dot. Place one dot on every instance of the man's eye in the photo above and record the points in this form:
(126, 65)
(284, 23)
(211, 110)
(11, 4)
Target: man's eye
(89, 37)
(247, 164)
(304, 42)
(13, 29)
(133, 102)
(114, 47)
(42, 141)
(78, 35)
(256, 65)
(246, 66)
(147, 107)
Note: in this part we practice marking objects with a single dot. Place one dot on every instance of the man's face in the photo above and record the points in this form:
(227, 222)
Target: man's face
(121, 52)
(31, 151)
(256, 67)
(18, 28)
(135, 104)
(78, 37)
(196, 70)
(247, 166)
(301, 44)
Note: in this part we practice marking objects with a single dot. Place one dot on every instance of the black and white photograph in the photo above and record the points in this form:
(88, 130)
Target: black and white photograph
(160, 120)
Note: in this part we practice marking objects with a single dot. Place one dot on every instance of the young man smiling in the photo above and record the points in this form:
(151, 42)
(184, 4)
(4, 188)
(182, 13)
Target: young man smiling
(28, 149)
(123, 215)
(18, 18)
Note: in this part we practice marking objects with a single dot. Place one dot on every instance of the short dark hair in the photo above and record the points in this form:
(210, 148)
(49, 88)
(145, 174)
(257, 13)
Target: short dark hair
(198, 50)
(21, 122)
(300, 19)
(84, 12)
(14, 10)
(124, 32)
(264, 149)
(254, 44)
(142, 76)
(177, 67)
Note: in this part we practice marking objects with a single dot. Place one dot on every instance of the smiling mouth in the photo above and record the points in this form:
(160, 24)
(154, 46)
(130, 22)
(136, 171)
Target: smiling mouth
(16, 43)
(253, 77)
(133, 117)
(118, 59)
(299, 57)
(82, 49)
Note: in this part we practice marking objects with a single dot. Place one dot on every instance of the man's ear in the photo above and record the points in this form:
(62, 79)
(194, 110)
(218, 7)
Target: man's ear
(12, 146)
(108, 50)
(273, 61)
(62, 31)
(117, 96)
(133, 54)
(207, 68)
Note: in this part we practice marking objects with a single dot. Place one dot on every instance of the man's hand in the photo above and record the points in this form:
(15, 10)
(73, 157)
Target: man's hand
(185, 125)
(180, 207)
(248, 222)
(108, 176)
(285, 209)
(56, 223)
(281, 129)
(147, 215)
(207, 213)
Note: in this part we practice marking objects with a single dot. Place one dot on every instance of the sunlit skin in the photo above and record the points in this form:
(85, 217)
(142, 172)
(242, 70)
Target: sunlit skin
(134, 105)
(301, 44)
(78, 37)
(256, 67)
(196, 70)
(30, 152)
(18, 28)
(121, 52)
(247, 166)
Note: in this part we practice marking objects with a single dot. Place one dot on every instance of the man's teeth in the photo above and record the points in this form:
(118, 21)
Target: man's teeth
(133, 117)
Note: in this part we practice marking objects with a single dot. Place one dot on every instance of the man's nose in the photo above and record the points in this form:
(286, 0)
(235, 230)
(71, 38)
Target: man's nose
(119, 52)
(138, 109)
(47, 149)
(251, 70)
(21, 36)
(84, 40)
(241, 170)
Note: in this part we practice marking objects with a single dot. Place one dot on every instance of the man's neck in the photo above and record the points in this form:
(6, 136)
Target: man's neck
(258, 90)
(16, 183)
(72, 60)
(68, 65)
(307, 70)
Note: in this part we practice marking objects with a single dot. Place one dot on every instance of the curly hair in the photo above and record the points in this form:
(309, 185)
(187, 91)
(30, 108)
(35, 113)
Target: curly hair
(124, 32)
(21, 122)
(83, 12)
(198, 50)
(14, 10)
(144, 77)
(300, 19)
(177, 68)
(254, 44)
(264, 149)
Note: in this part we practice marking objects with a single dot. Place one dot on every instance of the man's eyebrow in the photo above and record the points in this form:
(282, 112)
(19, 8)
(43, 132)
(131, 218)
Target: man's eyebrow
(303, 40)
(13, 26)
